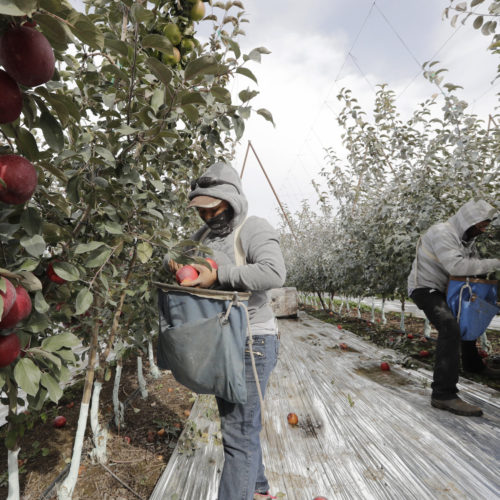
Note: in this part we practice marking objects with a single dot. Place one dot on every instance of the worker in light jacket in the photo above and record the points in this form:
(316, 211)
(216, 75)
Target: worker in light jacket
(219, 199)
(449, 249)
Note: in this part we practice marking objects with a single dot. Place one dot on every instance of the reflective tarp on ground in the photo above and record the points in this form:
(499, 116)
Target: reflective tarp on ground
(362, 433)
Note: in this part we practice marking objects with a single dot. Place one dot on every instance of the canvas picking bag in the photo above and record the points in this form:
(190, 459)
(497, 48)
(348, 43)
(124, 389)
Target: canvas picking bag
(202, 339)
(473, 303)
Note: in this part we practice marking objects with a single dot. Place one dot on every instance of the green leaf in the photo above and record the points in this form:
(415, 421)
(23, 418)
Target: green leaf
(67, 355)
(160, 70)
(52, 131)
(246, 72)
(35, 245)
(84, 300)
(52, 386)
(86, 30)
(27, 144)
(144, 251)
(126, 130)
(117, 46)
(239, 126)
(31, 221)
(193, 98)
(475, 2)
(266, 114)
(66, 271)
(56, 342)
(158, 42)
(17, 7)
(247, 95)
(106, 154)
(113, 227)
(141, 14)
(28, 280)
(221, 94)
(98, 257)
(40, 303)
(88, 247)
(204, 65)
(478, 22)
(40, 353)
(73, 188)
(54, 30)
(27, 376)
(191, 112)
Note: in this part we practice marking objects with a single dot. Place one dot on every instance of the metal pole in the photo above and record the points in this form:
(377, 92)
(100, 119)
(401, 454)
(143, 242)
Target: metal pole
(245, 160)
(250, 145)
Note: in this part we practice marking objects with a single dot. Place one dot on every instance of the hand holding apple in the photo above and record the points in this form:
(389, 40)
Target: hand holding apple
(206, 277)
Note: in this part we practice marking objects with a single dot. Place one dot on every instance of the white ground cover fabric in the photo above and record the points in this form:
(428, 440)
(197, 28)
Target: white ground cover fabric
(363, 433)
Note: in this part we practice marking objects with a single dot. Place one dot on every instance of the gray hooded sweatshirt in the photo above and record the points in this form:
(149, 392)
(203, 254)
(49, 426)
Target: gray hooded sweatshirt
(265, 267)
(442, 251)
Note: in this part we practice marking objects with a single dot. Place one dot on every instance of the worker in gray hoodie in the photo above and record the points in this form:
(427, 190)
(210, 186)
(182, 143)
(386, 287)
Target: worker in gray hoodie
(219, 199)
(448, 249)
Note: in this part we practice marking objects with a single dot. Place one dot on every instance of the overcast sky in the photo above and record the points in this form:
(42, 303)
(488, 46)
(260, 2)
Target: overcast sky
(320, 46)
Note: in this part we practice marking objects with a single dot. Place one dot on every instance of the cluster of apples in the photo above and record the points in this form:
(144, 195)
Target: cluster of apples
(16, 307)
(189, 273)
(28, 59)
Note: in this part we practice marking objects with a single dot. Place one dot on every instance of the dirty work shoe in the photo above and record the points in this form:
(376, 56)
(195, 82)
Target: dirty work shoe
(263, 496)
(457, 406)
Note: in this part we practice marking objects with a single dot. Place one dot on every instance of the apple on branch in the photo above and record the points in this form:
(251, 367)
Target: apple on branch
(18, 179)
(20, 310)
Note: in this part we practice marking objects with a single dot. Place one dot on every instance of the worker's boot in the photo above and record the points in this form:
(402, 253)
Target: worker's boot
(457, 406)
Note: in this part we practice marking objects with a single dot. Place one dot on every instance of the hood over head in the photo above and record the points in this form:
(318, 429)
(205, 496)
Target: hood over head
(221, 181)
(471, 213)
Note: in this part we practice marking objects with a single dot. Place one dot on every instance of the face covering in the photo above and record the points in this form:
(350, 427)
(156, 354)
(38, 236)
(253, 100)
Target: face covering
(220, 223)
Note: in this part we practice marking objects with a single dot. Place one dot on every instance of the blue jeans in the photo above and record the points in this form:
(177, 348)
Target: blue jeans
(243, 472)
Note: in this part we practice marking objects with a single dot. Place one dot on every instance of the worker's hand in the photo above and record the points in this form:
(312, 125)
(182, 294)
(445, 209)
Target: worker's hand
(173, 266)
(206, 278)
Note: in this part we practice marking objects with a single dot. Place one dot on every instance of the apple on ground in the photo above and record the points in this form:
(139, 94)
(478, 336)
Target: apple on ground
(59, 422)
(27, 56)
(8, 297)
(384, 366)
(20, 310)
(19, 179)
(10, 348)
(186, 273)
(343, 346)
(409, 336)
(423, 354)
(126, 439)
(292, 419)
(11, 99)
(339, 327)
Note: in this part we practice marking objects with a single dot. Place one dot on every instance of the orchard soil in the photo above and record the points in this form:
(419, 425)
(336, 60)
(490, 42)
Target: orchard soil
(139, 452)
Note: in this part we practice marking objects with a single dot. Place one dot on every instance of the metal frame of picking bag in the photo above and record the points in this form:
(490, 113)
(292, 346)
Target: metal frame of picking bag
(202, 339)
(473, 303)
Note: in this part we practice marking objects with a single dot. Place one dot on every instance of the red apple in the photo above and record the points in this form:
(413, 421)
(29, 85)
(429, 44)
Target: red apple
(292, 419)
(482, 353)
(423, 354)
(343, 346)
(11, 99)
(339, 327)
(212, 263)
(20, 178)
(27, 56)
(10, 347)
(53, 276)
(20, 310)
(320, 498)
(126, 439)
(59, 422)
(409, 336)
(385, 367)
(9, 297)
(186, 273)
